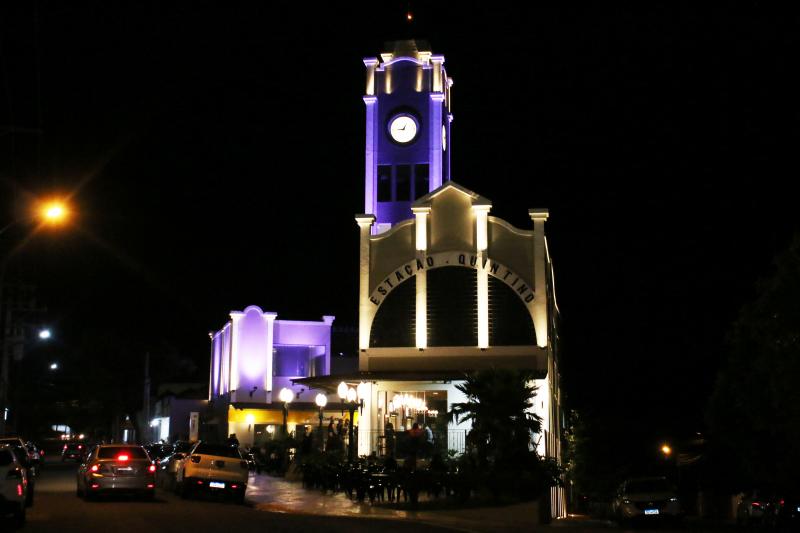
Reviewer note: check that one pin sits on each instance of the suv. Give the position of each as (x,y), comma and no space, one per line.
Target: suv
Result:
(648,498)
(13,484)
(73,450)
(218,468)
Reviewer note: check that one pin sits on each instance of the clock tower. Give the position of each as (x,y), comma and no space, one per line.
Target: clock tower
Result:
(408,130)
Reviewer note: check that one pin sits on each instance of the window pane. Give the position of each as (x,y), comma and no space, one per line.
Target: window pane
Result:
(218,450)
(384,183)
(420,181)
(403,183)
(114,451)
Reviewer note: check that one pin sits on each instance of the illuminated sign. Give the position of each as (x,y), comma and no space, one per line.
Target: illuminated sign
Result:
(456,259)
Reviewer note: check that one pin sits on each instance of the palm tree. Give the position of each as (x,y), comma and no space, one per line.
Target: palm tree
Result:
(499,403)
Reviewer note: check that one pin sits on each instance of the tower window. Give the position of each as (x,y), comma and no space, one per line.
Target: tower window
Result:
(403,183)
(384,183)
(421,183)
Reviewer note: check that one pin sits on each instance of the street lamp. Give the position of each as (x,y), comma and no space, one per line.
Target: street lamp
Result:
(286,396)
(666,450)
(54,212)
(353,397)
(45,334)
(322,401)
(47,213)
(53,366)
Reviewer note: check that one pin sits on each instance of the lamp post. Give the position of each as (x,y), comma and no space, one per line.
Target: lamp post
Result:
(321,401)
(46,213)
(353,397)
(286,396)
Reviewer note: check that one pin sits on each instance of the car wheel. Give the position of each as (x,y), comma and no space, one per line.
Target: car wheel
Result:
(19,514)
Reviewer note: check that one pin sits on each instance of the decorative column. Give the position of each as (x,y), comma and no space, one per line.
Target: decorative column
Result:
(365,313)
(370,155)
(481,246)
(421,320)
(539,216)
(236,317)
(435,140)
(270,326)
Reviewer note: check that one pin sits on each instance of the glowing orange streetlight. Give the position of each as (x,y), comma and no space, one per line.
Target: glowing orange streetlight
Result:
(666,450)
(54,212)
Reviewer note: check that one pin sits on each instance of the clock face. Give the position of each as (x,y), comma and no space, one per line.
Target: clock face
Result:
(403,128)
(444,138)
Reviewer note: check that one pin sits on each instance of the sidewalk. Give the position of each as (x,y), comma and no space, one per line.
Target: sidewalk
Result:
(277,495)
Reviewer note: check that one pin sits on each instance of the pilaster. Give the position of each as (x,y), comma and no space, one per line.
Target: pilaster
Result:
(365,223)
(539,216)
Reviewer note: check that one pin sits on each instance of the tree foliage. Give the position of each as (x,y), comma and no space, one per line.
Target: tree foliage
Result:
(754,413)
(498,406)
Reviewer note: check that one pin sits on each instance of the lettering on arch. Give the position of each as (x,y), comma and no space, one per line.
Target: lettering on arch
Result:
(456,259)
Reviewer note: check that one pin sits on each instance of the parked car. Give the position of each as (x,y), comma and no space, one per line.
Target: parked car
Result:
(216,468)
(755,507)
(168,466)
(650,498)
(116,468)
(158,450)
(13,485)
(787,513)
(25,460)
(35,454)
(74,451)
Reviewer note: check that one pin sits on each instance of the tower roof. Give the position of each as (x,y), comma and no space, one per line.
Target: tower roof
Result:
(406,47)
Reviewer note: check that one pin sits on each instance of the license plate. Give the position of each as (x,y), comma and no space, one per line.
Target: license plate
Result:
(651,511)
(216,485)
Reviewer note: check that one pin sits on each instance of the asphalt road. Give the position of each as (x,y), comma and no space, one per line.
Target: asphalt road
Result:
(57,508)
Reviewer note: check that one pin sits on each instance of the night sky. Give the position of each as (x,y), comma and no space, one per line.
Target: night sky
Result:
(214,152)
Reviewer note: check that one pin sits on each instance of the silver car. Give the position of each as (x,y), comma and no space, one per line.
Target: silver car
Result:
(650,498)
(117,468)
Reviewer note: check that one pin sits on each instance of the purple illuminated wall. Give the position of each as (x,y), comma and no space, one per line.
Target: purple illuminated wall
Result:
(252,350)
(242,353)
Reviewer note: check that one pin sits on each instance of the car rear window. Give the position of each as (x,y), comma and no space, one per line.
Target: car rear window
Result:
(6,458)
(110,453)
(217,449)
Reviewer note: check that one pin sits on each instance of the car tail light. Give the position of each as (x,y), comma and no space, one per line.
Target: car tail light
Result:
(95,485)
(41,453)
(122,457)
(234,486)
(151,468)
(150,486)
(244,464)
(19,489)
(195,458)
(94,468)
(65,447)
(80,446)
(199,482)
(756,504)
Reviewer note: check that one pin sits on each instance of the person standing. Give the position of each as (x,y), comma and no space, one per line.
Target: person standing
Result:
(428,446)
(388,434)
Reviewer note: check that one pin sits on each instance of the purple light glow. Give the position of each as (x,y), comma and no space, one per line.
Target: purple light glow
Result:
(247,343)
(252,349)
